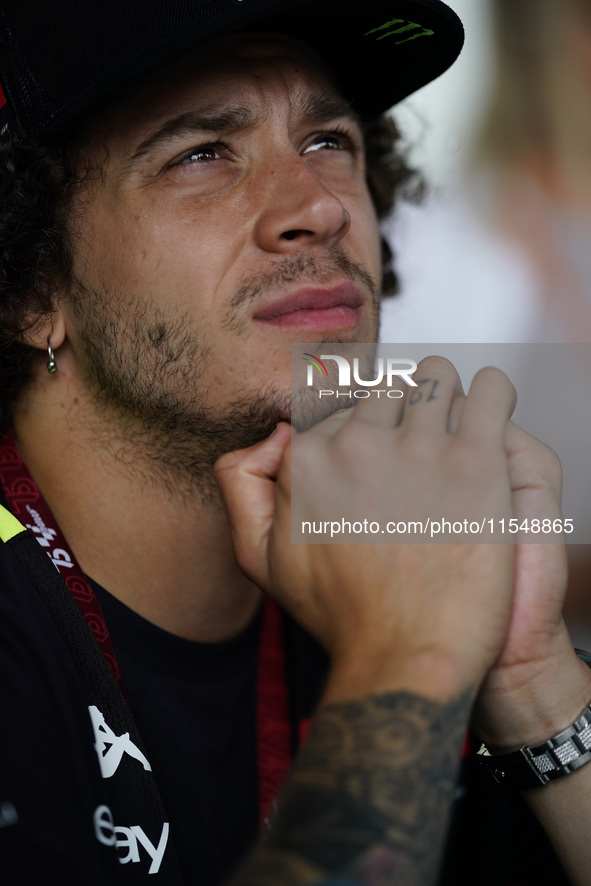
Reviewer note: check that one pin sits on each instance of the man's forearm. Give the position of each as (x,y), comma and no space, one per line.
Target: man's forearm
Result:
(547,702)
(369,800)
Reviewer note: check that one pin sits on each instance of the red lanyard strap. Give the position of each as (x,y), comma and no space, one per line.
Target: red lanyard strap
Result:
(27,504)
(273,722)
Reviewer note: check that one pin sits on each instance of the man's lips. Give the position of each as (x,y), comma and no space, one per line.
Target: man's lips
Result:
(316,308)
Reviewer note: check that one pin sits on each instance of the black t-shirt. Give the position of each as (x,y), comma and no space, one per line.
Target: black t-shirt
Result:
(204,760)
(194,705)
(195,708)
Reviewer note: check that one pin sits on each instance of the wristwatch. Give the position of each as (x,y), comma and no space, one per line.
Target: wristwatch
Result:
(531,767)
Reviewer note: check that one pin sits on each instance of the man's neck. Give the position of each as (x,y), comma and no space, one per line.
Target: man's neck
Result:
(167,558)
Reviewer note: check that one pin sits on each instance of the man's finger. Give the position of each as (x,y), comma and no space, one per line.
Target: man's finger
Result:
(455,413)
(428,405)
(328,427)
(490,404)
(535,474)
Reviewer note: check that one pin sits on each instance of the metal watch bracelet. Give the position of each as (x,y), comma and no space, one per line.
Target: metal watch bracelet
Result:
(531,767)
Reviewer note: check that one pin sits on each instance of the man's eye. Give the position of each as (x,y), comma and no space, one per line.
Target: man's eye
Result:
(201,155)
(329,141)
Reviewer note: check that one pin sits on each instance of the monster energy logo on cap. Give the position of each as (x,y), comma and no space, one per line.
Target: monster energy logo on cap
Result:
(406,30)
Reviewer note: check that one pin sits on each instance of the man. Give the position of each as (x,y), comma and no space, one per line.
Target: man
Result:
(213,206)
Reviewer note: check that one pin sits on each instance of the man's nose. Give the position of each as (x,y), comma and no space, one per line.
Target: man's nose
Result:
(299,210)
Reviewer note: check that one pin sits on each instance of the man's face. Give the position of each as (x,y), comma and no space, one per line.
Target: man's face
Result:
(232,218)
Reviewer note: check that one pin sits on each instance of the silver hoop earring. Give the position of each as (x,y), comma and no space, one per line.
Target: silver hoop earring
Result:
(51,364)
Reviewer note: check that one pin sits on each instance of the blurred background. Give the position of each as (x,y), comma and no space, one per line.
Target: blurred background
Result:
(442,119)
(499,250)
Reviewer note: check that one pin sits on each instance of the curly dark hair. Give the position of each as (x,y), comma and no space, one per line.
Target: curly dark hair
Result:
(39,182)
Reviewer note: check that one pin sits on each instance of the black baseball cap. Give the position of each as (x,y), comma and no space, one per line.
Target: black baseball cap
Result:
(58,58)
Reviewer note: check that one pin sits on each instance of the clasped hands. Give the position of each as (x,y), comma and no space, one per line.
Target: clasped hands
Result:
(435,618)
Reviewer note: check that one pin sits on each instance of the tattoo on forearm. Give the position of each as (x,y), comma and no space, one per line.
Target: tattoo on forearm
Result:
(369,800)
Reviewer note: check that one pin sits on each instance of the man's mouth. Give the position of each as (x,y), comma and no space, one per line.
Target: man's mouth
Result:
(316,307)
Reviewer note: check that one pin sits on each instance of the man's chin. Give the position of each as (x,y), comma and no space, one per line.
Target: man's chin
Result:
(247,423)
(244,426)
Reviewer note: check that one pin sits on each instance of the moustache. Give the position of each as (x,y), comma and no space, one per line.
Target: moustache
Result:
(302,267)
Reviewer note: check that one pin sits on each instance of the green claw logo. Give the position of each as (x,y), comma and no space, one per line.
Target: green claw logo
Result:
(411,29)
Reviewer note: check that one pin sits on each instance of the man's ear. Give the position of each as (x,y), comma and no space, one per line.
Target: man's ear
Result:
(50,327)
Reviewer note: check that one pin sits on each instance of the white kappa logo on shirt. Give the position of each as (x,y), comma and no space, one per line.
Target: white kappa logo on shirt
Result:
(110,747)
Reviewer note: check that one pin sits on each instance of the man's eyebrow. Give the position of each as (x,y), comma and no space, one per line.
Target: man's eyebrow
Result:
(320,107)
(317,107)
(191,123)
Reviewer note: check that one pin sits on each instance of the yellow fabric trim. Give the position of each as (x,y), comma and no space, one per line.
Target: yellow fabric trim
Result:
(9,525)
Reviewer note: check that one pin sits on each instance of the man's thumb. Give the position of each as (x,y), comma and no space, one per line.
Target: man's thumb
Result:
(247,482)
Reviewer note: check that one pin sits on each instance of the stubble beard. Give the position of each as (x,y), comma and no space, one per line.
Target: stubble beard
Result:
(148,378)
